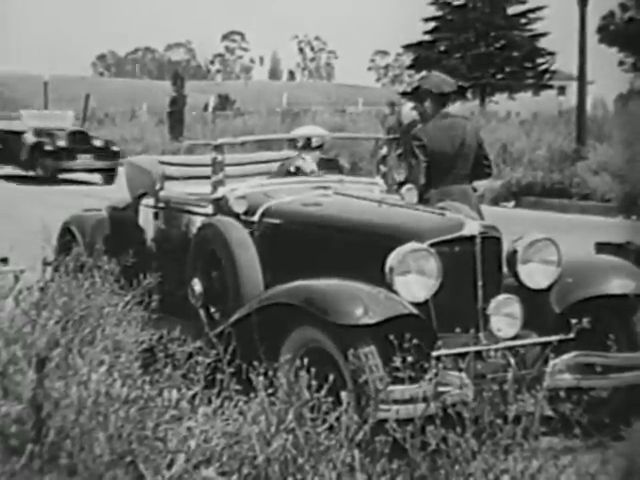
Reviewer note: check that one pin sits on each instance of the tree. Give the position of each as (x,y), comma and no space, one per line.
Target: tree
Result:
(108,64)
(316,61)
(145,62)
(182,56)
(492,44)
(619,29)
(275,67)
(233,61)
(149,62)
(391,71)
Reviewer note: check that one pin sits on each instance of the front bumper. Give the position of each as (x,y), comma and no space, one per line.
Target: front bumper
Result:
(414,400)
(568,370)
(406,402)
(565,371)
(81,165)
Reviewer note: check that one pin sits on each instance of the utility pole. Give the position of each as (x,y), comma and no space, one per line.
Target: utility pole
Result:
(581,110)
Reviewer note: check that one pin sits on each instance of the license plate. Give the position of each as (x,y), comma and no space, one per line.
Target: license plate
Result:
(84,157)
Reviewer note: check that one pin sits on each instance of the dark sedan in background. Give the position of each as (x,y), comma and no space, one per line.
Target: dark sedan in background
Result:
(47,142)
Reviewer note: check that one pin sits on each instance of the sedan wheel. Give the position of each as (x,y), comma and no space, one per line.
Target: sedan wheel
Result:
(42,168)
(109,178)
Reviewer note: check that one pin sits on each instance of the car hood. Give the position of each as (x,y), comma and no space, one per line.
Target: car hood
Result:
(363,214)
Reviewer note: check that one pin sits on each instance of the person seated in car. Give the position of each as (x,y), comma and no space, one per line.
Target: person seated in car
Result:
(309,146)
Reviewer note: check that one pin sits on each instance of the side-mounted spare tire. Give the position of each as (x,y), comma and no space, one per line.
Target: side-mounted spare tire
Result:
(226,264)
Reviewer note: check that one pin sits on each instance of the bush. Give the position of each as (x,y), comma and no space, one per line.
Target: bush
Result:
(91,389)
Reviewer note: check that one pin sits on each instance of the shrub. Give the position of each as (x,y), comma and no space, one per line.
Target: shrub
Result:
(92,389)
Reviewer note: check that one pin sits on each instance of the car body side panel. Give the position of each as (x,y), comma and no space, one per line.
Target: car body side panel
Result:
(595,276)
(341,301)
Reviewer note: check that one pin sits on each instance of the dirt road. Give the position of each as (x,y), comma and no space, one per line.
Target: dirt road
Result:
(31,212)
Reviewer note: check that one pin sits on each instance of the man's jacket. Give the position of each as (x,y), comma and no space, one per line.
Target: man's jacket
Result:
(448,150)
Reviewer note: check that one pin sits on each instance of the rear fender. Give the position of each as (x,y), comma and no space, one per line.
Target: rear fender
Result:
(88,230)
(594,277)
(340,301)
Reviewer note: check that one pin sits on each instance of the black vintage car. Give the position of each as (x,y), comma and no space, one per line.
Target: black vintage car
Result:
(318,266)
(47,143)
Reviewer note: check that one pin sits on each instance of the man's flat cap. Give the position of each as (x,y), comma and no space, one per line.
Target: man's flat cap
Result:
(433,82)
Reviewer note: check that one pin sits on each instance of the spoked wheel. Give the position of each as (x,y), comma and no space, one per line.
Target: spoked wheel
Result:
(216,288)
(612,330)
(224,270)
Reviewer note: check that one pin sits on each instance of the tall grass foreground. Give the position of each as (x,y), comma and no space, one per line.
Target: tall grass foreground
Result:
(90,389)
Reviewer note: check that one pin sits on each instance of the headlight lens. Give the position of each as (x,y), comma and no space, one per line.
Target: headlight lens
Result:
(61,143)
(538,261)
(98,142)
(505,316)
(414,271)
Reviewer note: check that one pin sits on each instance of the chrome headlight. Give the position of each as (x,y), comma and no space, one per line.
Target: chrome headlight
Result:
(536,261)
(98,142)
(505,316)
(61,143)
(414,271)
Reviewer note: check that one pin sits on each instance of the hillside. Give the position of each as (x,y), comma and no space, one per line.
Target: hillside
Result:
(66,92)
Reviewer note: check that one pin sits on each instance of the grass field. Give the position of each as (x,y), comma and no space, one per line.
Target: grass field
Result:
(67,92)
(533,156)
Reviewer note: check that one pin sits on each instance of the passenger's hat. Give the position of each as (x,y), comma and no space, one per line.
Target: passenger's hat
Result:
(433,82)
(310,137)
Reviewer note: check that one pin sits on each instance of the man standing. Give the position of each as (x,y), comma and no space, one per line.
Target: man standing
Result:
(177,104)
(446,148)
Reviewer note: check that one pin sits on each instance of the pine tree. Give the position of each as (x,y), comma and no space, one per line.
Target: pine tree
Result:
(492,44)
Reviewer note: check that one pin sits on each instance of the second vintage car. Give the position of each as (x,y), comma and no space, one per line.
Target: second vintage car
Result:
(317,266)
(48,143)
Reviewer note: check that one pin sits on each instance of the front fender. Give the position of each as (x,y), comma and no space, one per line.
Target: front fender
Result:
(340,301)
(595,276)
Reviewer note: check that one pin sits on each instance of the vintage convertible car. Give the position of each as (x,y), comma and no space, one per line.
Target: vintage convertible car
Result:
(47,142)
(319,266)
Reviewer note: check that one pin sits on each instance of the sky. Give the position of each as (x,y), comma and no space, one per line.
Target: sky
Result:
(63,36)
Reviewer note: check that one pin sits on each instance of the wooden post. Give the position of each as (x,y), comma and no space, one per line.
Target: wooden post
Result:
(581,107)
(285,99)
(360,104)
(45,92)
(85,108)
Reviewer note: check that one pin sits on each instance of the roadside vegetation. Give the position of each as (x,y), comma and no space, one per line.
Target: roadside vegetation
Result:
(89,388)
(532,156)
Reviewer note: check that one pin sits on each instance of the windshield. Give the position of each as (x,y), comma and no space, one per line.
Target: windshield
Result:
(52,134)
(358,156)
